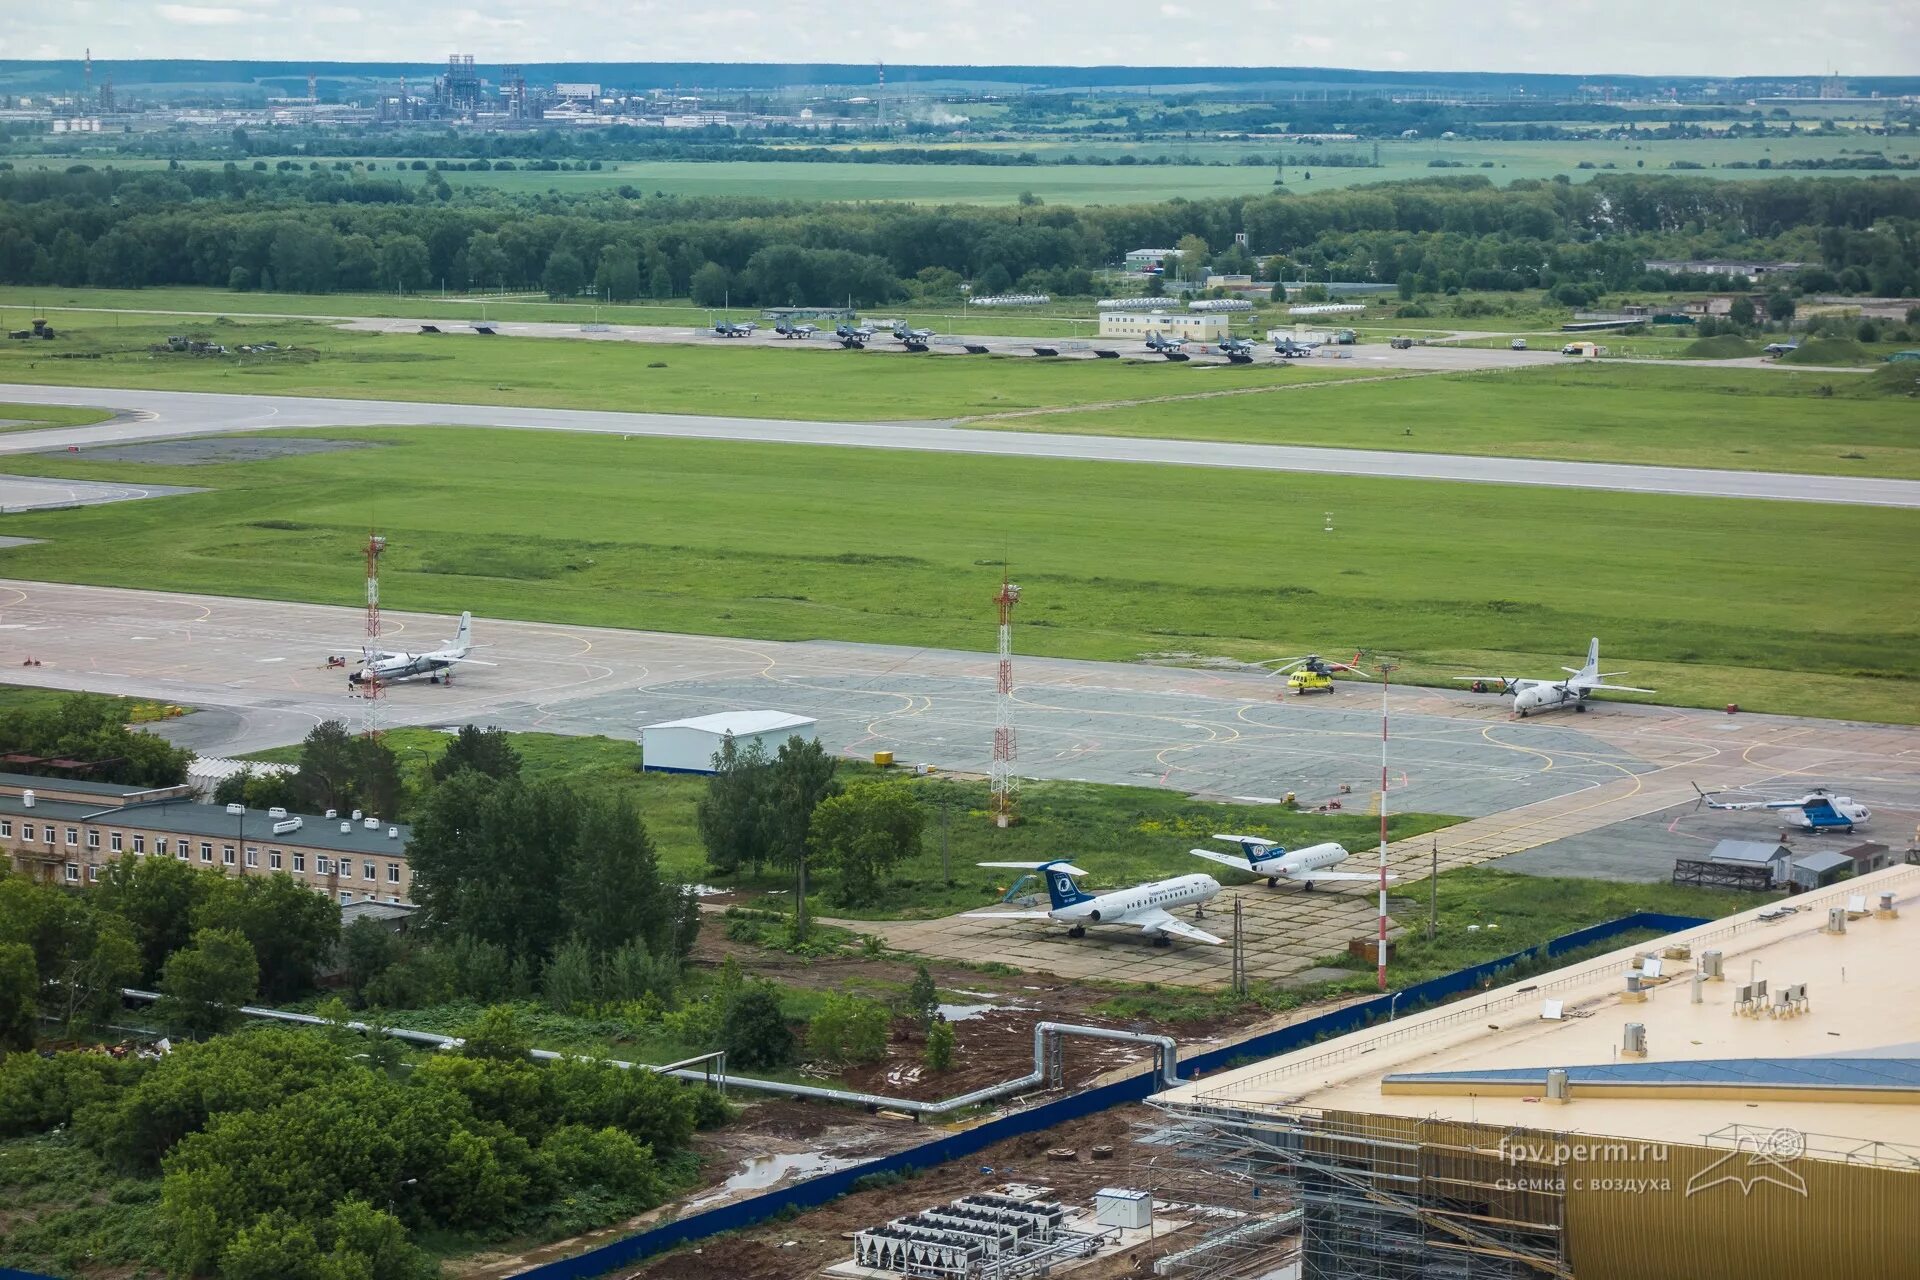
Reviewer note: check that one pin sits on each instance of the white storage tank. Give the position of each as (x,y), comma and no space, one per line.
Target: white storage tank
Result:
(689,746)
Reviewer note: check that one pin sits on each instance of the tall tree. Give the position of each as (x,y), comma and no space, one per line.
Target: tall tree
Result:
(19,993)
(157,898)
(205,984)
(801,777)
(865,832)
(614,881)
(293,930)
(490,859)
(564,275)
(732,815)
(487,751)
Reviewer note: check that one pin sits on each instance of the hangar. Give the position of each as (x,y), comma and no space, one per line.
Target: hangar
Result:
(689,746)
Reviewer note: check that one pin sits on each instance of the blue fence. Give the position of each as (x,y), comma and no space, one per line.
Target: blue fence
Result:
(955,1146)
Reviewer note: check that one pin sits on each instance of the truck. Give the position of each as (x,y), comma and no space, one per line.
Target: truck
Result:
(1587,350)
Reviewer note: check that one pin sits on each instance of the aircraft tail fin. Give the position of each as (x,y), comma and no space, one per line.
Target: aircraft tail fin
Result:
(463,638)
(1062,889)
(1593,658)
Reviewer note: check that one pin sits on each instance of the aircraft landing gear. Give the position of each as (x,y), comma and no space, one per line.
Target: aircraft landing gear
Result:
(1162,940)
(1273,882)
(1309,886)
(1078,931)
(1579,706)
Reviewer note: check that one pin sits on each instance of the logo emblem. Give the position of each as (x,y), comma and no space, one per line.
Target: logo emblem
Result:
(1766,1158)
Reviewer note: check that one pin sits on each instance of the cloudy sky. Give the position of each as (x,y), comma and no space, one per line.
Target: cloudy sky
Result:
(1649,37)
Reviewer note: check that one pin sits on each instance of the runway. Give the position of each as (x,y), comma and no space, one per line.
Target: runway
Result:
(161,415)
(256,672)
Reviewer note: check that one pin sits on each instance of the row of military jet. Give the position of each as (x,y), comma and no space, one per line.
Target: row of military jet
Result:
(855,337)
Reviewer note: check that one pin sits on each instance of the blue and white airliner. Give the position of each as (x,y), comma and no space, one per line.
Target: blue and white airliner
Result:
(1148,907)
(1260,856)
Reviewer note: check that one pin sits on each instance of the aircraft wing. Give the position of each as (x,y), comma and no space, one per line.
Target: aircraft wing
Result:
(1374,876)
(472,661)
(1158,921)
(1235,861)
(1006,915)
(1508,684)
(1614,688)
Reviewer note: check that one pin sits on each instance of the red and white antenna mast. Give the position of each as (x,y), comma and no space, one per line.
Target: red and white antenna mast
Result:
(370,685)
(1006,787)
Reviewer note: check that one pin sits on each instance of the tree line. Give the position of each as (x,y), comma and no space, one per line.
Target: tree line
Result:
(331,231)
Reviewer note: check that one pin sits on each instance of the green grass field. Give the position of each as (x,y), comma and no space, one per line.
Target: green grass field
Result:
(1702,599)
(1130,833)
(1193,174)
(1743,419)
(819,381)
(38,417)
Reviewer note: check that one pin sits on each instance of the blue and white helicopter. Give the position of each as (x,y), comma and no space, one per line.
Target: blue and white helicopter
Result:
(1817,810)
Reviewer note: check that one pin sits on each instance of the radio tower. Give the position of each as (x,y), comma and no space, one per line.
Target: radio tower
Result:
(370,687)
(1006,787)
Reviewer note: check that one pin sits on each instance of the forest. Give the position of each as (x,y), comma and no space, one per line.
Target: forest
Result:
(336,228)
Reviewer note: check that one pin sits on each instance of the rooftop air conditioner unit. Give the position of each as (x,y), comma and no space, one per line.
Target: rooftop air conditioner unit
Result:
(333,813)
(236,809)
(345,826)
(356,815)
(285,825)
(373,824)
(1556,1084)
(393,833)
(276,812)
(26,799)
(1836,919)
(1713,965)
(1633,1044)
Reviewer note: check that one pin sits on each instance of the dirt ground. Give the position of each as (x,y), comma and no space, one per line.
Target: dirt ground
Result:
(992,1045)
(799,1247)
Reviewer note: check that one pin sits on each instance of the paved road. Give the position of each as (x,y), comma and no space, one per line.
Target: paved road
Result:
(157,415)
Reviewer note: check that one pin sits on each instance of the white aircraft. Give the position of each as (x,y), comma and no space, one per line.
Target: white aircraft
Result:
(385,668)
(1550,695)
(1818,810)
(1262,857)
(1147,906)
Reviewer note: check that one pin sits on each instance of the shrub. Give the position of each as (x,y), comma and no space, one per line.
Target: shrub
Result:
(606,1157)
(849,1029)
(755,1031)
(939,1055)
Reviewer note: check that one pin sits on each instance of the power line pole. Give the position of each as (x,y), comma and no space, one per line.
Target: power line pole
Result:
(1433,893)
(1006,787)
(1239,953)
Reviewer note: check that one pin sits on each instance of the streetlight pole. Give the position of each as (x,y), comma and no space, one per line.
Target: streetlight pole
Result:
(1386,669)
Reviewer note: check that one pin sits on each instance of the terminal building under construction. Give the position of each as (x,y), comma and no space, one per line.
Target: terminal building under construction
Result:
(1738,1100)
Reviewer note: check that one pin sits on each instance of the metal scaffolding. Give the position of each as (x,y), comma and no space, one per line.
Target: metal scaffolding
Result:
(1388,1197)
(1248,1223)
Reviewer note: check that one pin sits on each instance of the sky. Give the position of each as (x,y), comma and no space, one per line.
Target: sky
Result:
(1588,37)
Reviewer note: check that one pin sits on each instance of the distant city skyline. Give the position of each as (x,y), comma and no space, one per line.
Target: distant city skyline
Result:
(1768,38)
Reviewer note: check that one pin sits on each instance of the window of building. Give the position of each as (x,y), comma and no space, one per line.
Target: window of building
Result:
(273,859)
(253,856)
(323,865)
(206,851)
(73,872)
(369,871)
(140,843)
(226,854)
(93,872)
(26,832)
(113,841)
(6,828)
(346,896)
(93,839)
(73,836)
(393,873)
(299,862)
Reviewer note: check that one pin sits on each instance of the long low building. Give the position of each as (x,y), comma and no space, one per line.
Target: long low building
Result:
(64,830)
(1186,326)
(1737,1100)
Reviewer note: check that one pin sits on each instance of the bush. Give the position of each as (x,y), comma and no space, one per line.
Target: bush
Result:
(38,1093)
(849,1029)
(584,1157)
(939,1055)
(755,1032)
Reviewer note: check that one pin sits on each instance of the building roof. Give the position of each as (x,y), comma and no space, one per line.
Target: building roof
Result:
(188,818)
(1843,1067)
(738,723)
(79,786)
(1754,851)
(1824,861)
(368,909)
(217,768)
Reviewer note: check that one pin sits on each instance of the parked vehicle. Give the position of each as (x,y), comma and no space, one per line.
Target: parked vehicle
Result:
(1518,344)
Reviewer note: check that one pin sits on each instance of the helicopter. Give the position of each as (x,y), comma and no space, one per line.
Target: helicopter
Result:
(1311,673)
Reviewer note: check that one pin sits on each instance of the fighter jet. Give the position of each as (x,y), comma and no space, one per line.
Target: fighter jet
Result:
(1171,348)
(911,339)
(383,667)
(1237,350)
(728,329)
(801,331)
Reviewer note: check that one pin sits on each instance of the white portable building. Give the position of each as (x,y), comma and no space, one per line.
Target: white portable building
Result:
(689,746)
(1122,1207)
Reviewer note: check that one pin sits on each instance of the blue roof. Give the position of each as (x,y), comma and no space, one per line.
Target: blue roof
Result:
(1812,1073)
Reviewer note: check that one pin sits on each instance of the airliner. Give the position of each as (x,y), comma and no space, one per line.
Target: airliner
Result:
(1148,907)
(1260,856)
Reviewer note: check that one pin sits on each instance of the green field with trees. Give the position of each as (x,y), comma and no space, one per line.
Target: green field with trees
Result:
(1118,560)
